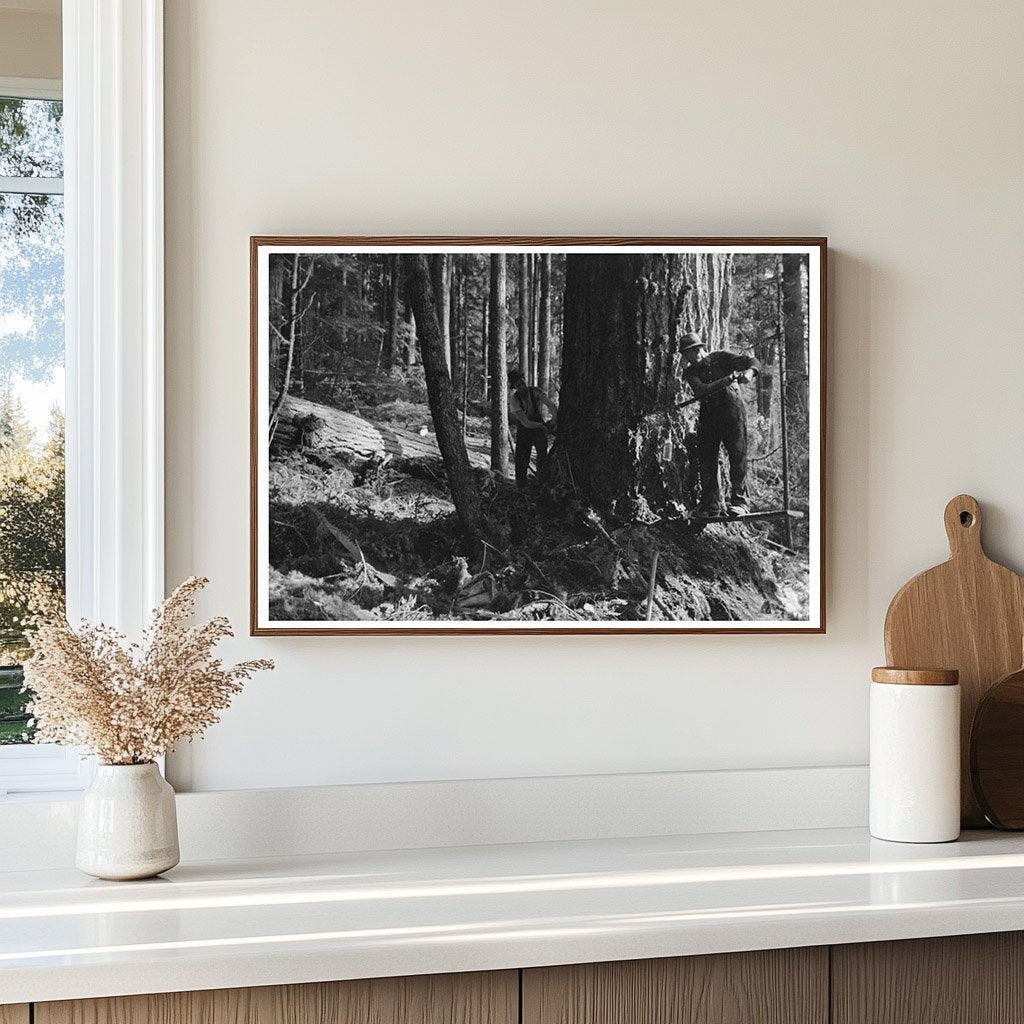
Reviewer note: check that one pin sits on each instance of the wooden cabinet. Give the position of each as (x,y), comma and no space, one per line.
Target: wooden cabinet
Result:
(963,979)
(970,979)
(779,986)
(491,998)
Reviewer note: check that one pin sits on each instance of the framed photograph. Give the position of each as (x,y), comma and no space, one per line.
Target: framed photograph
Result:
(537,435)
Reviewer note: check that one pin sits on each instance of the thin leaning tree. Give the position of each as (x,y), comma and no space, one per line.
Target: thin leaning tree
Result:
(288,333)
(441,394)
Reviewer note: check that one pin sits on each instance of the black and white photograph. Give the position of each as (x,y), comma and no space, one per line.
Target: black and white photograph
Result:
(537,435)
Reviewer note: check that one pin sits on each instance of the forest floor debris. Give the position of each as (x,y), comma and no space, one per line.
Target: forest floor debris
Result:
(377,539)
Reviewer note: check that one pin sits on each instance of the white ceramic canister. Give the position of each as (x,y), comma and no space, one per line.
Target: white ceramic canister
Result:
(915,755)
(127,825)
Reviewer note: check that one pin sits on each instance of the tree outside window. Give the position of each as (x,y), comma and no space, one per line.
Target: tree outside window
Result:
(31,386)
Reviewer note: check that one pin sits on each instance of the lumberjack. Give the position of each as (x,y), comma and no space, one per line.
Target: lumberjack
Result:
(526,408)
(714,379)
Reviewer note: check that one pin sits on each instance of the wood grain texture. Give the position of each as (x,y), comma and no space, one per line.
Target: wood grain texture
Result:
(915,676)
(962,979)
(967,614)
(778,986)
(331,431)
(14,1014)
(483,998)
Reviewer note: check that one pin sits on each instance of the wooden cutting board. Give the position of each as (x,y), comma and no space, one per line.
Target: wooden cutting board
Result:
(967,614)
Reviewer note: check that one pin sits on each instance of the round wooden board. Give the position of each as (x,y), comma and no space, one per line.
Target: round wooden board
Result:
(997,752)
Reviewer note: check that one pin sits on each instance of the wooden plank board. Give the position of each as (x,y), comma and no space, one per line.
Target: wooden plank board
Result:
(778,986)
(14,1014)
(967,614)
(961,979)
(480,998)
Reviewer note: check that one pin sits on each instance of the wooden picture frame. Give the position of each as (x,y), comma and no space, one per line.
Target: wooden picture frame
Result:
(657,252)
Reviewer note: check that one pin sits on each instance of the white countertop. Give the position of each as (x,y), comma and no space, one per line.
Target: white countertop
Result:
(357,915)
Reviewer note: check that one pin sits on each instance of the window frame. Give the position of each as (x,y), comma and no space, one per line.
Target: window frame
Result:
(112,90)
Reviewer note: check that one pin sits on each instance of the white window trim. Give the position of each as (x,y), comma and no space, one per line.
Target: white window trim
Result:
(114,322)
(32,88)
(31,186)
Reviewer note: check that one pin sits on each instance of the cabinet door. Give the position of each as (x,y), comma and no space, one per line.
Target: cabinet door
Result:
(14,1014)
(962,979)
(779,986)
(490,998)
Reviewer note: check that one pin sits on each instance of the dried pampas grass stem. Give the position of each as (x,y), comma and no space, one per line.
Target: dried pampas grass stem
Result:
(129,703)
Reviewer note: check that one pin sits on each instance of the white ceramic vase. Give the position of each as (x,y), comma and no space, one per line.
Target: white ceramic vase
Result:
(127,824)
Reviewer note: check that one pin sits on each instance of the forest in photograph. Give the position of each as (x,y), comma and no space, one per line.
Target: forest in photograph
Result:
(528,437)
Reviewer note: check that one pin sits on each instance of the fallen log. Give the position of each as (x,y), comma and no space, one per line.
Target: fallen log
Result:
(308,424)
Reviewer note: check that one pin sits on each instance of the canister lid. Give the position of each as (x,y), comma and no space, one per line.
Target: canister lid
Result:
(916,676)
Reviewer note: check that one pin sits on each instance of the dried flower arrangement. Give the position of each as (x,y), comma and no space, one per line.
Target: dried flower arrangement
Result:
(130,703)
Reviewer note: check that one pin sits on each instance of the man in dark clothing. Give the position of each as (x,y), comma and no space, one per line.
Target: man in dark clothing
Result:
(714,378)
(526,407)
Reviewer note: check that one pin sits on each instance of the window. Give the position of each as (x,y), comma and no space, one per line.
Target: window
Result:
(111,202)
(32,530)
(31,383)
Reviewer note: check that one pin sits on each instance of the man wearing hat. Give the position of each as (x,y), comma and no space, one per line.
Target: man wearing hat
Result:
(526,407)
(714,378)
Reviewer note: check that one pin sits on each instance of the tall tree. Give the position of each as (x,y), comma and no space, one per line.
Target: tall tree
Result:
(441,395)
(458,334)
(440,266)
(484,337)
(794,325)
(619,426)
(342,304)
(498,367)
(31,524)
(394,299)
(535,320)
(544,334)
(289,336)
(524,313)
(410,335)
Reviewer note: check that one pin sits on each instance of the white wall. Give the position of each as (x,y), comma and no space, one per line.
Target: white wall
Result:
(895,129)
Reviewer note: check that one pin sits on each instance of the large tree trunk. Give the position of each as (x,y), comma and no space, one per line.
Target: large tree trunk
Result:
(497,367)
(705,308)
(544,338)
(442,396)
(794,324)
(620,428)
